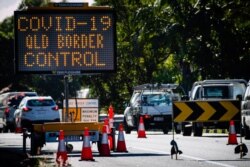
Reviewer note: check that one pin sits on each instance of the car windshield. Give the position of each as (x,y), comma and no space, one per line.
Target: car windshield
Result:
(156,99)
(219,92)
(14,101)
(40,102)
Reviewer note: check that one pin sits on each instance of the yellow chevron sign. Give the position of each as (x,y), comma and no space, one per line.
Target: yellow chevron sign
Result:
(206,111)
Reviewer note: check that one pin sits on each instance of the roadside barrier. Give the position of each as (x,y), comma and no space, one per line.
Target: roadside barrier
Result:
(141,129)
(121,145)
(86,153)
(61,156)
(104,148)
(232,137)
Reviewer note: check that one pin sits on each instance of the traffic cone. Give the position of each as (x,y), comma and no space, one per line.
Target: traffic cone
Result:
(111,116)
(121,145)
(86,148)
(141,129)
(232,138)
(106,123)
(18,126)
(61,156)
(108,130)
(104,148)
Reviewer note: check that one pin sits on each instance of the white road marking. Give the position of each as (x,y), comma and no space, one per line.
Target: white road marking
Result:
(188,156)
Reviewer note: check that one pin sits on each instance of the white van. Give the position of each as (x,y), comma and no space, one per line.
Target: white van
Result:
(215,89)
(153,103)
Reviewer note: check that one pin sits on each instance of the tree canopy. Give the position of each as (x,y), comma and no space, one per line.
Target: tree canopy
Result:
(158,41)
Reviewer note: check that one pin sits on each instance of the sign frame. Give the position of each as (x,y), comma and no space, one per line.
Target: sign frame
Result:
(62,70)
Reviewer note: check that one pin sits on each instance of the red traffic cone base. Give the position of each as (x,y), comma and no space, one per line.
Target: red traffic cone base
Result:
(86,154)
(232,138)
(141,129)
(104,148)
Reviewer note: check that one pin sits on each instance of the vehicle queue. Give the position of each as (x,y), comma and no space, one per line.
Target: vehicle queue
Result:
(12,105)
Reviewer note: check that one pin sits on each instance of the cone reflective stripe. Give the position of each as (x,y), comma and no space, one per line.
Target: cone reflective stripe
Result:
(111,122)
(121,145)
(232,137)
(141,129)
(61,156)
(104,148)
(86,149)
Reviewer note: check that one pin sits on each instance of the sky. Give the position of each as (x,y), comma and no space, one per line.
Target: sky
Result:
(7,7)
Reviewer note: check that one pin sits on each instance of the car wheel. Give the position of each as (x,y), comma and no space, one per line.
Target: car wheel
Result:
(247,133)
(126,128)
(198,129)
(165,131)
(187,130)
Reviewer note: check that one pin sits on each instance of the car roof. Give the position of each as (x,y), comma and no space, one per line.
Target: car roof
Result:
(37,97)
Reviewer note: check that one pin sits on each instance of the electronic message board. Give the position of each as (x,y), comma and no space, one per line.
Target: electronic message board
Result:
(65,41)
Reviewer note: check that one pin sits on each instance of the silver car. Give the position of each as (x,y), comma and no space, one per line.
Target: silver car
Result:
(38,109)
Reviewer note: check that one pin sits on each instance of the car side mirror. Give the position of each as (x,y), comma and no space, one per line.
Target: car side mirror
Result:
(248,97)
(184,97)
(239,97)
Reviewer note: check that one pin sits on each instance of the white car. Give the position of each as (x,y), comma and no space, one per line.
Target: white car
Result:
(37,109)
(245,112)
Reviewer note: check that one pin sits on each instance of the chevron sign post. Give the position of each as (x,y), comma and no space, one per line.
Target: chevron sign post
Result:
(206,111)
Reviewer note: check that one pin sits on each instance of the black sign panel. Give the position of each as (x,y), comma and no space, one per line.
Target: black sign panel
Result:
(65,41)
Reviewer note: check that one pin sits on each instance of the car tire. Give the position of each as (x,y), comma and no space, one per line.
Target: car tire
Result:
(247,133)
(198,131)
(126,128)
(165,131)
(187,131)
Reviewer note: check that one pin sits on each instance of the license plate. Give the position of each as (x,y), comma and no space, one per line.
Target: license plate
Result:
(159,119)
(73,138)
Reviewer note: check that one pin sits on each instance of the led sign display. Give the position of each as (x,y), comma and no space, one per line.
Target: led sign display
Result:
(65,41)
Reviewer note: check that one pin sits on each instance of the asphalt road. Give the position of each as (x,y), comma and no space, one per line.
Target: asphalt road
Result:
(209,150)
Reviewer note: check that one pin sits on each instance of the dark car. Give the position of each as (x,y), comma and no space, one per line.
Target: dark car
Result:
(10,103)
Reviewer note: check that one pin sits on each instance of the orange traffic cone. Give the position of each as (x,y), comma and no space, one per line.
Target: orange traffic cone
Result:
(121,145)
(106,123)
(61,156)
(141,129)
(104,148)
(18,126)
(108,130)
(111,116)
(86,148)
(232,138)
